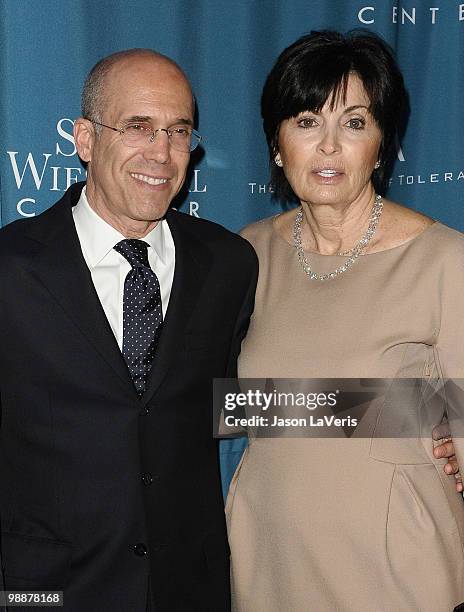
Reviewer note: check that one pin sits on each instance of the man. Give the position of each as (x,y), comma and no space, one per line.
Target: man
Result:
(115,315)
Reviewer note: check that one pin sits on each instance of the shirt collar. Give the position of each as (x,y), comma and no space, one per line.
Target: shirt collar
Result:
(97,237)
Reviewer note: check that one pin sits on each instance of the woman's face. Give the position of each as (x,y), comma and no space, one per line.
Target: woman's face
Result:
(328,157)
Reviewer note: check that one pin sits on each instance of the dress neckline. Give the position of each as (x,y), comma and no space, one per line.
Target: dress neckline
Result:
(394,248)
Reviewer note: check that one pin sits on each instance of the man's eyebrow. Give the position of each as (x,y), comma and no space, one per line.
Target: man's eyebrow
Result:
(184,121)
(147,119)
(138,119)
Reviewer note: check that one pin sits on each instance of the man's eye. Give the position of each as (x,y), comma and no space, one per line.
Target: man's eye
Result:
(180,132)
(137,127)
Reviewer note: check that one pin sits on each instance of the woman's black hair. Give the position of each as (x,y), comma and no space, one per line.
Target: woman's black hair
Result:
(315,69)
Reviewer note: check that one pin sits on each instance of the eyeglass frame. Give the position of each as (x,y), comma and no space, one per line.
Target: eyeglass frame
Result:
(122,131)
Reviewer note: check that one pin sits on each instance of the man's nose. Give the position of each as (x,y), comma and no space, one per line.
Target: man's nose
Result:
(158,147)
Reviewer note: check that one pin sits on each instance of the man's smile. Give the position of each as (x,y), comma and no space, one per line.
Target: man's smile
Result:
(151,180)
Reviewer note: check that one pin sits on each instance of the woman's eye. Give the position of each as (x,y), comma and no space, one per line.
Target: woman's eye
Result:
(356,124)
(307,122)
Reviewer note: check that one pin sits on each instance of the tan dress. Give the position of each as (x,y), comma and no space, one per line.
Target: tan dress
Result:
(360,524)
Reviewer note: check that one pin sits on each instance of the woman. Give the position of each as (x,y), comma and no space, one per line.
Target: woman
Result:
(351,285)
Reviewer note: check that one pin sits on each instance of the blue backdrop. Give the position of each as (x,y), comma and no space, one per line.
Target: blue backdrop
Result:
(226,48)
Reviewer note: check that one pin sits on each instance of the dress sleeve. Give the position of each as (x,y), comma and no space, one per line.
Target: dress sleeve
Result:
(450,339)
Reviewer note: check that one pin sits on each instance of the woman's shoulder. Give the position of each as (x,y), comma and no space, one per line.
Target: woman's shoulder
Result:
(398,225)
(402,225)
(264,229)
(259,230)
(447,239)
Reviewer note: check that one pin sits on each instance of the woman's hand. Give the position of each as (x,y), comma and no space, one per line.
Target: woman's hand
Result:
(445,448)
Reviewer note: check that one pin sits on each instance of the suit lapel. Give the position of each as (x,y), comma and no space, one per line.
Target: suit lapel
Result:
(57,262)
(193,261)
(59,265)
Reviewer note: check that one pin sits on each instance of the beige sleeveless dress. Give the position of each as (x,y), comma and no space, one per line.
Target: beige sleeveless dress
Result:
(359,524)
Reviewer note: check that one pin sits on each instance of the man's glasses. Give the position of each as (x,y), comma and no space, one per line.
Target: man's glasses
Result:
(181,137)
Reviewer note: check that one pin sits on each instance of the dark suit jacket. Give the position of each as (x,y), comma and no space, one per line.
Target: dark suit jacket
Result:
(92,477)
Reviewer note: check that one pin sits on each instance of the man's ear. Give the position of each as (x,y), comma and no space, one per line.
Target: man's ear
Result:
(84,138)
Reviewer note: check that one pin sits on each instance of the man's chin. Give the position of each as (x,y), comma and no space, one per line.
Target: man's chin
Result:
(150,212)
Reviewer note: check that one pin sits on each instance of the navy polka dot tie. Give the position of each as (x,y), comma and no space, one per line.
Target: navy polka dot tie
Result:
(142,313)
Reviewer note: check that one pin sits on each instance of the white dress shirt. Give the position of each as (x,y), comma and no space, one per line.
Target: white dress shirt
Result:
(109,268)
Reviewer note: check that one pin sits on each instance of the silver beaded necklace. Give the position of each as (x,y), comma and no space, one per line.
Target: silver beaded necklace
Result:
(353,253)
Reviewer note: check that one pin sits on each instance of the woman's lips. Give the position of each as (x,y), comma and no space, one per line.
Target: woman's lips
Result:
(328,175)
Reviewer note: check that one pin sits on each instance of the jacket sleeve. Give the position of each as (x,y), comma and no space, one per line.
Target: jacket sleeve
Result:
(240,329)
(2,579)
(243,320)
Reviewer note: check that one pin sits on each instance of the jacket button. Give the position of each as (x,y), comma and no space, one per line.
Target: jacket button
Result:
(145,411)
(147,479)
(140,550)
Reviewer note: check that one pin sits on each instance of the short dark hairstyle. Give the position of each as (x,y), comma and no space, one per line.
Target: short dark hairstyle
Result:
(317,67)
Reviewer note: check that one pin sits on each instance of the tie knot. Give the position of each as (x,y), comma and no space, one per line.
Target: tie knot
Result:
(135,251)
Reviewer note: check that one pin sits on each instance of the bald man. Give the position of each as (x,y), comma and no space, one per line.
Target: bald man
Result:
(110,487)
